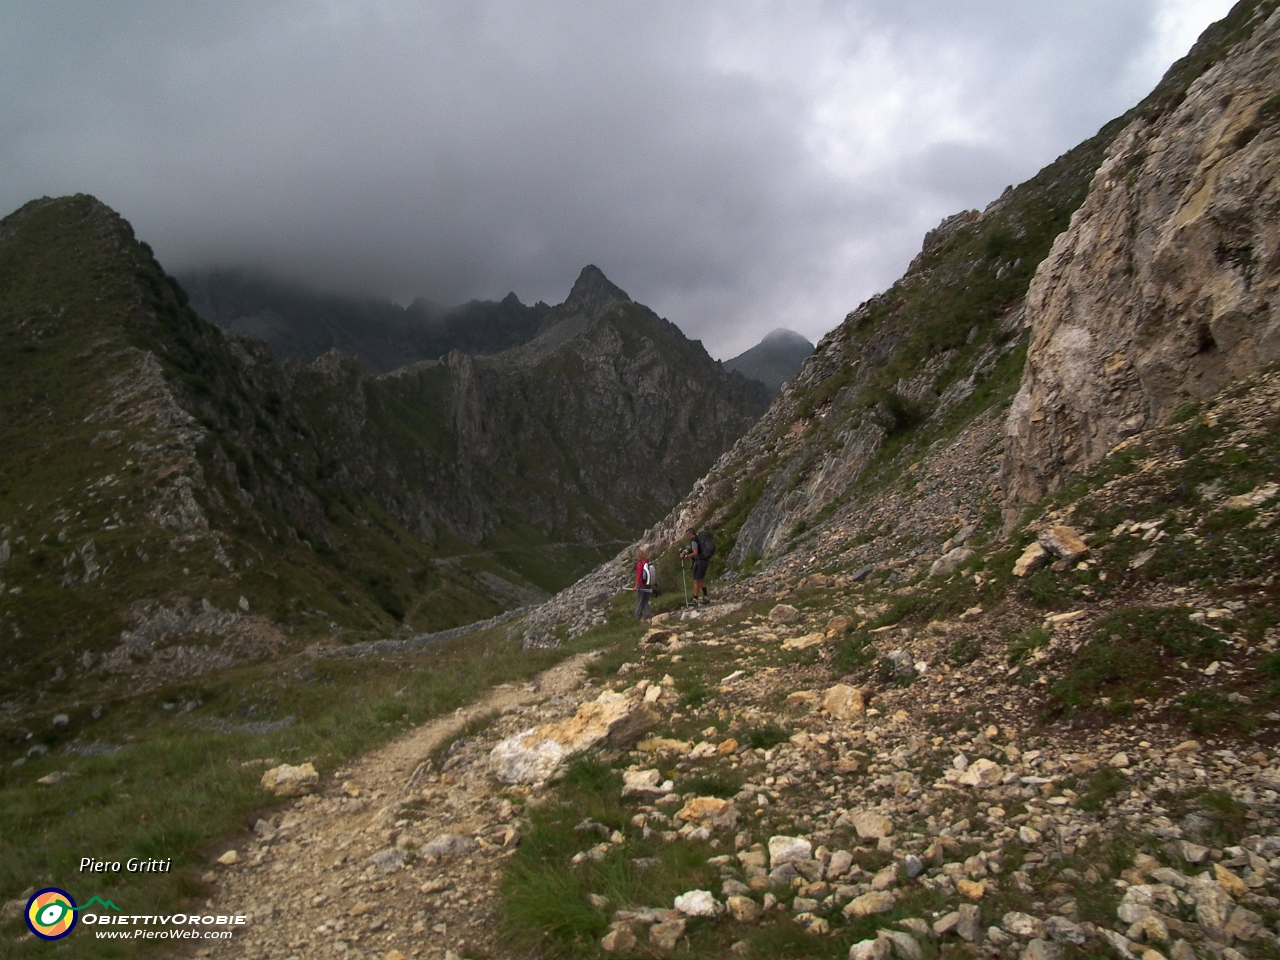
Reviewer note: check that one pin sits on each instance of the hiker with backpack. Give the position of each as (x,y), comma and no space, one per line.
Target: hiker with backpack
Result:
(701,549)
(646,581)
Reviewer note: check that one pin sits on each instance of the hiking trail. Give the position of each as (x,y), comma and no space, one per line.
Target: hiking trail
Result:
(348,871)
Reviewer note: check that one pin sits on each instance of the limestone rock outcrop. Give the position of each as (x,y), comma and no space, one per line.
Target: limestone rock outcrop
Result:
(537,754)
(291,781)
(1165,286)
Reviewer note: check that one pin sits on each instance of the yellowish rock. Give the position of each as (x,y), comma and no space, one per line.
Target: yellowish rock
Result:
(228,858)
(618,940)
(291,781)
(710,811)
(843,702)
(726,747)
(838,625)
(804,642)
(1229,881)
(1064,542)
(971,889)
(743,909)
(869,904)
(1254,498)
(613,719)
(1034,557)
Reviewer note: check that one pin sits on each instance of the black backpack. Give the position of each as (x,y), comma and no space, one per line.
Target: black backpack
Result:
(706,546)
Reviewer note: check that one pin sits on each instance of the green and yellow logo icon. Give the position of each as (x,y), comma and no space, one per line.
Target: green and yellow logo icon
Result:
(51,913)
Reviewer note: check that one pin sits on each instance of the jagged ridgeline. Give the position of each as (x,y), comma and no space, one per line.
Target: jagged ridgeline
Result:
(942,349)
(301,324)
(173,501)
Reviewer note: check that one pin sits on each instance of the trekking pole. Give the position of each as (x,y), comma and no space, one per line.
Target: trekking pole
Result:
(683,585)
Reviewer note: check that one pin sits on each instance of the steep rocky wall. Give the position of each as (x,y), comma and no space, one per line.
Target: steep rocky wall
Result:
(1165,286)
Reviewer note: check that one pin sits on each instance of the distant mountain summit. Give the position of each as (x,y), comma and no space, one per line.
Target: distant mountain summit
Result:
(593,291)
(774,360)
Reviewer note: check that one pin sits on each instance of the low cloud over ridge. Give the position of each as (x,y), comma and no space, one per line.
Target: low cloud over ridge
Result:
(737,167)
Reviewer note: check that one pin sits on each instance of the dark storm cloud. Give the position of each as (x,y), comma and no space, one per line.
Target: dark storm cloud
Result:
(736,166)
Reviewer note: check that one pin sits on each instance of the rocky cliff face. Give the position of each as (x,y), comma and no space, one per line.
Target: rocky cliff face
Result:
(1165,287)
(591,429)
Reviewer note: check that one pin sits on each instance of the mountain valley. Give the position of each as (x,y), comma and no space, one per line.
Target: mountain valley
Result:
(991,666)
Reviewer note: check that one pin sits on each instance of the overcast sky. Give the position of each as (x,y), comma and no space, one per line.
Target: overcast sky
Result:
(736,166)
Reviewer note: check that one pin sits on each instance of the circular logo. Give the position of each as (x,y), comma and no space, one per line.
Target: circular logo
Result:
(51,913)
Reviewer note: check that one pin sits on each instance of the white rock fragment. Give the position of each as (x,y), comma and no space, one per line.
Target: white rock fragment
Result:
(448,845)
(534,755)
(699,903)
(870,950)
(949,562)
(645,784)
(870,825)
(982,773)
(788,850)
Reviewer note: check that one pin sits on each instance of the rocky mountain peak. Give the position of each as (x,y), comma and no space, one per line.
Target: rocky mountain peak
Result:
(593,291)
(774,360)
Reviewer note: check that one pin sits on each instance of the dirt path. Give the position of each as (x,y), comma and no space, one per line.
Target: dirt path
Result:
(330,876)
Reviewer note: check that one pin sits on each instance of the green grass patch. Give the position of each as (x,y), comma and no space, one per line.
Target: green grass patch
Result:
(1022,645)
(853,653)
(764,736)
(1211,816)
(712,783)
(1129,654)
(1208,711)
(179,783)
(544,892)
(964,650)
(1103,784)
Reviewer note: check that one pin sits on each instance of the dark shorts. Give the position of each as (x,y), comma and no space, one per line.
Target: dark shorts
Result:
(700,569)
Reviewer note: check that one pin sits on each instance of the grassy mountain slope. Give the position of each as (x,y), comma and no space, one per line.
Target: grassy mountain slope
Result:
(195,541)
(938,353)
(178,503)
(1074,755)
(154,467)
